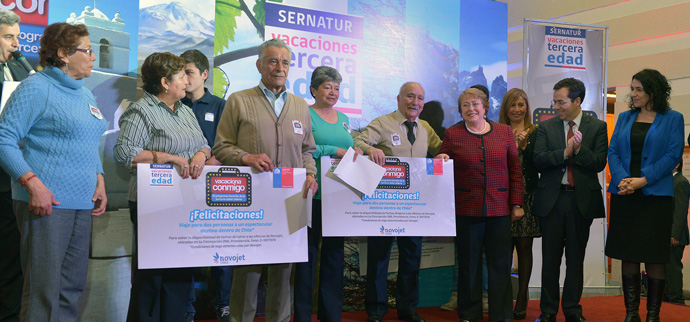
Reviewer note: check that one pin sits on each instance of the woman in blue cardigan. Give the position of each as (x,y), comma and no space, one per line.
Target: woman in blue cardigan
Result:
(646,145)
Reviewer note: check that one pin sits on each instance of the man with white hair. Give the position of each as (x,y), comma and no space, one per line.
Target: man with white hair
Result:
(402,134)
(263,127)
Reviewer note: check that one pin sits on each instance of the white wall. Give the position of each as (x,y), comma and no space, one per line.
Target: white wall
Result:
(642,34)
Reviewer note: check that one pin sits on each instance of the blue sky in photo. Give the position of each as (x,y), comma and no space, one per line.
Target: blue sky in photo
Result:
(439,17)
(60,10)
(483,37)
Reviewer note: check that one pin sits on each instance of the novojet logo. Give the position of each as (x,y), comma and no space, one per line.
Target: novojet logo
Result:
(391,231)
(228,259)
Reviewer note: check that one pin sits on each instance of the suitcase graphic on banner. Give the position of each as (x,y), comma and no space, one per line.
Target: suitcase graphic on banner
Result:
(228,188)
(397,175)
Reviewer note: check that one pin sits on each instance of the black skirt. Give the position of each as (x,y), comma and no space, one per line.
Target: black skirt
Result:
(640,228)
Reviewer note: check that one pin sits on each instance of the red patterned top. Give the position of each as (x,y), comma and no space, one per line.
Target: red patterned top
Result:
(488,177)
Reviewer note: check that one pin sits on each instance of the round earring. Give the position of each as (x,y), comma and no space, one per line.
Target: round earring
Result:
(166,90)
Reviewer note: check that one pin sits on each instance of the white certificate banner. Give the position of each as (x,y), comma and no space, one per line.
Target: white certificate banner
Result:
(416,197)
(227,216)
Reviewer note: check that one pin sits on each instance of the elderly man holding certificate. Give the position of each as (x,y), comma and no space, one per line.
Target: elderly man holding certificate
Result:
(401,134)
(265,127)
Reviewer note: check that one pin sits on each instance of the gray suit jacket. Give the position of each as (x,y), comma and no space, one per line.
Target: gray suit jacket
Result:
(549,161)
(680,209)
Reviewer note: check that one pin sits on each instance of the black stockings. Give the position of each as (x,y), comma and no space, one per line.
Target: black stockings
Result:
(523,245)
(656,271)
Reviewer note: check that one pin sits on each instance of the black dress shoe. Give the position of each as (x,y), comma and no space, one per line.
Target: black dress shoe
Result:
(412,318)
(546,317)
(374,318)
(519,315)
(576,318)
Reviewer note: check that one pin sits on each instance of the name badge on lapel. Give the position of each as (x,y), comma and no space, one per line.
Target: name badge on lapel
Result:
(95,112)
(395,138)
(297,127)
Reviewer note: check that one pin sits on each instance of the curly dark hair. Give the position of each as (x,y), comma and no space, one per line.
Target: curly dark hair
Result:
(157,66)
(657,87)
(59,35)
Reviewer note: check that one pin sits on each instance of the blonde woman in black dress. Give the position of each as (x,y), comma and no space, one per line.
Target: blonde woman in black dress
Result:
(515,111)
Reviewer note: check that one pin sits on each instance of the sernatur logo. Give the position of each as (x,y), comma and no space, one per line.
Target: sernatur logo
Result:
(33,12)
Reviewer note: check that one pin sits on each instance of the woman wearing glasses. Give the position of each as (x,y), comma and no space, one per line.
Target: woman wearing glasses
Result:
(488,181)
(57,175)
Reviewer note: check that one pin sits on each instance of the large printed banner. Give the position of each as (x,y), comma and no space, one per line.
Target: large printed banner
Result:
(320,38)
(556,53)
(228,216)
(415,197)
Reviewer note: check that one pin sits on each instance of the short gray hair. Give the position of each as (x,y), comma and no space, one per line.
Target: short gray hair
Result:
(8,18)
(404,86)
(324,74)
(275,42)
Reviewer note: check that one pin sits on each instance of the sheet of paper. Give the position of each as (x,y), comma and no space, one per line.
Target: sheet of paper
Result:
(299,211)
(361,174)
(7,88)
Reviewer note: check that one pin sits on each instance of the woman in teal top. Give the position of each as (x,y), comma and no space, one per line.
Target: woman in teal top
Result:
(331,132)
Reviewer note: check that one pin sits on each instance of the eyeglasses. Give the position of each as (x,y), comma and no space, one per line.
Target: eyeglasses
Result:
(559,103)
(87,51)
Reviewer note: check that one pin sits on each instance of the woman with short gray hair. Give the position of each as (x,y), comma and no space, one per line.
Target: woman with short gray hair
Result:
(331,132)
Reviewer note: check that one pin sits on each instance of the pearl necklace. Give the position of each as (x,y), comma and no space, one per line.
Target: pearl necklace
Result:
(480,132)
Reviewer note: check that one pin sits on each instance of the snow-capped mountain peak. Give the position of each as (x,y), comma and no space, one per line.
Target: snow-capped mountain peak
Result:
(174,18)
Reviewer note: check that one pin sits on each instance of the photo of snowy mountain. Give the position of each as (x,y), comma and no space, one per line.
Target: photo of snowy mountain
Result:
(174,27)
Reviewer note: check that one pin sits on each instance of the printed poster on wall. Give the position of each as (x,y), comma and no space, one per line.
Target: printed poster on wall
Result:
(320,38)
(556,53)
(415,197)
(227,216)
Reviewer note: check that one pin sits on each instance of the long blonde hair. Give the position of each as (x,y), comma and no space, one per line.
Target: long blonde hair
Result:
(508,100)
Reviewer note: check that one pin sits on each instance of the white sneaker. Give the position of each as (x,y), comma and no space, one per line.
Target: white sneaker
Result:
(452,303)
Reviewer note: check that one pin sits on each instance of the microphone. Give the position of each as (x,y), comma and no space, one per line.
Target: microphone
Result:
(22,60)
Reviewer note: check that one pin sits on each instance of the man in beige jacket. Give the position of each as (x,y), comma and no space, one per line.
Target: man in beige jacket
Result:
(398,134)
(265,127)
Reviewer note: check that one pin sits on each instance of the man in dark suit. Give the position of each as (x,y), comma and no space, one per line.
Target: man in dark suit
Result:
(569,152)
(10,269)
(679,236)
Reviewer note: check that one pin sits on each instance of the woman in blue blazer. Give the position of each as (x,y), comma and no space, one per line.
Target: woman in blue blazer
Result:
(646,145)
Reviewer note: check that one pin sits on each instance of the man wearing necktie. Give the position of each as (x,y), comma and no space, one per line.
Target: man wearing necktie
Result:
(569,152)
(402,134)
(10,269)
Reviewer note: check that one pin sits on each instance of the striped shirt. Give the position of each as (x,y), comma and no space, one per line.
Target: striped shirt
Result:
(149,124)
